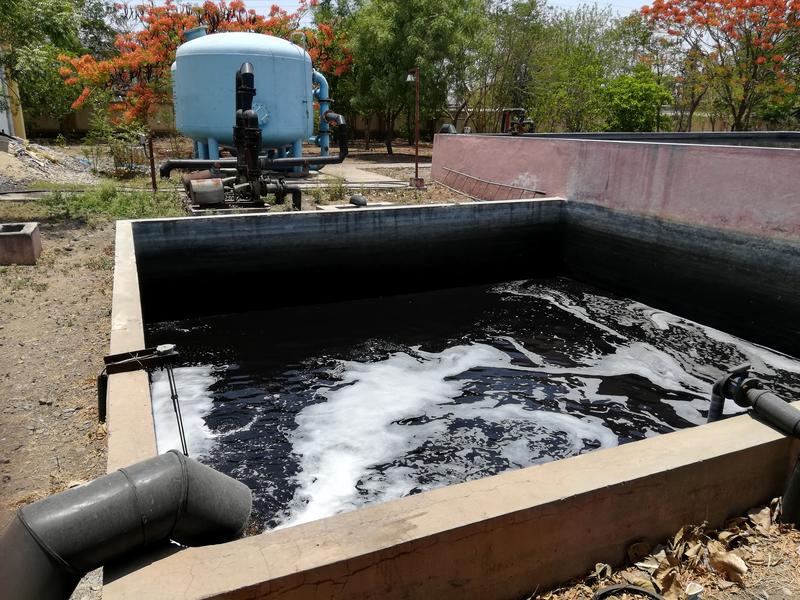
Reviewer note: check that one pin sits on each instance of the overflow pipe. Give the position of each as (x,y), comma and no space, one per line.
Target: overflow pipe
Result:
(52,543)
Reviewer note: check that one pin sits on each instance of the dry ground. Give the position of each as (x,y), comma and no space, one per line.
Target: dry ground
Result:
(54,326)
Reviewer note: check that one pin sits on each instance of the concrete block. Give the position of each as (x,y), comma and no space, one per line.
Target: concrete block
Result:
(20,243)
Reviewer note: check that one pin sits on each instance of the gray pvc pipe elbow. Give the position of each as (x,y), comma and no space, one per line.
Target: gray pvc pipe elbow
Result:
(51,543)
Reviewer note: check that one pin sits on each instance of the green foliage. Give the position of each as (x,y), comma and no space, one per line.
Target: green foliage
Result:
(634,101)
(121,141)
(35,33)
(553,63)
(108,202)
(42,89)
(24,24)
(390,37)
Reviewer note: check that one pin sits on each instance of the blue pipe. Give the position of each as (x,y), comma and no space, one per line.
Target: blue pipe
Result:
(322,95)
(297,152)
(202,150)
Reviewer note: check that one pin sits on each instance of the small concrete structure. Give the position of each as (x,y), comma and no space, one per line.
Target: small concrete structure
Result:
(20,243)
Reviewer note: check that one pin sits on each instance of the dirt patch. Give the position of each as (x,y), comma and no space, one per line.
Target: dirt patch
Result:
(54,324)
(27,162)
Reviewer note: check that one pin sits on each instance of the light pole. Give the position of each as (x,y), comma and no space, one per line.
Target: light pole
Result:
(416,181)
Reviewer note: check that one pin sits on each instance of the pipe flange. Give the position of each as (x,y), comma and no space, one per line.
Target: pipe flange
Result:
(740,393)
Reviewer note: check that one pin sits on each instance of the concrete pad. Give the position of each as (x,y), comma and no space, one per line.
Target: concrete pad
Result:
(20,243)
(352,174)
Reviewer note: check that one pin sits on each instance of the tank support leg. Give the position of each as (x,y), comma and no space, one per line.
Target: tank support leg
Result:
(297,152)
(213,149)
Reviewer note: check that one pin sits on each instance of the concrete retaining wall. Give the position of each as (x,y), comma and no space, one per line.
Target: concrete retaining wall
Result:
(213,265)
(743,189)
(500,537)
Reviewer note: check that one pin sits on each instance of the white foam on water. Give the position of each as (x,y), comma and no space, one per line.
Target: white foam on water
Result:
(193,385)
(760,357)
(557,299)
(341,440)
(636,358)
(361,439)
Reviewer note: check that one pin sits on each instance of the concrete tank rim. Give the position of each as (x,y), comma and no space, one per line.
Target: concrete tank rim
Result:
(242,42)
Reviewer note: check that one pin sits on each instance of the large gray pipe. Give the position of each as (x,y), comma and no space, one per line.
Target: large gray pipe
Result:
(51,543)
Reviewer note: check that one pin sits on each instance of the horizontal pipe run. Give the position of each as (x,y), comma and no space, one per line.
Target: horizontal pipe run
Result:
(267,163)
(775,411)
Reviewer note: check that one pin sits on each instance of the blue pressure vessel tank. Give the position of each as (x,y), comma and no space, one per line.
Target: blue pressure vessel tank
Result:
(204,90)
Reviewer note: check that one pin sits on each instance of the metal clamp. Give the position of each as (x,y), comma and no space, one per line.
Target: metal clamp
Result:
(148,359)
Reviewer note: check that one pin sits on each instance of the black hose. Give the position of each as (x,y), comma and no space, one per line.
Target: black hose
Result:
(725,387)
(297,196)
(625,588)
(790,503)
(774,410)
(717,402)
(51,543)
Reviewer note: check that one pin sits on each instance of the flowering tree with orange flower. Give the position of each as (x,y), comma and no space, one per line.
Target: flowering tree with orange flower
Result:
(747,46)
(138,77)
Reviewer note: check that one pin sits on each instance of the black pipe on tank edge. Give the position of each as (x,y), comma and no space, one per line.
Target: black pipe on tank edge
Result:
(770,409)
(52,543)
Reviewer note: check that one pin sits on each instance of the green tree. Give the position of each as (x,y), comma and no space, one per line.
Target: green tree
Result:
(634,101)
(389,37)
(34,34)
(573,61)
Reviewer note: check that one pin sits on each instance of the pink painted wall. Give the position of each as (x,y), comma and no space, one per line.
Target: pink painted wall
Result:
(751,190)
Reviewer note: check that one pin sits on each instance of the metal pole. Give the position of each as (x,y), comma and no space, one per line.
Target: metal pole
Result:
(416,135)
(152,163)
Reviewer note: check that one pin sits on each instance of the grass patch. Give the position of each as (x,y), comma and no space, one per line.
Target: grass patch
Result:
(108,202)
(22,283)
(334,192)
(100,263)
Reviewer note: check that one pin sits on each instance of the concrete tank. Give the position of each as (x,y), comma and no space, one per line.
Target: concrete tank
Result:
(204,89)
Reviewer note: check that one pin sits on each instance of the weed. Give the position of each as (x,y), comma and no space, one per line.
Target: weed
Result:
(108,202)
(21,283)
(100,263)
(337,191)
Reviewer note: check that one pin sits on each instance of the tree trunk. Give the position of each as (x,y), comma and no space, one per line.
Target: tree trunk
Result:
(389,134)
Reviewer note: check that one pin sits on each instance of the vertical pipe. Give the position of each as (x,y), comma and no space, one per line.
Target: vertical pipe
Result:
(322,94)
(416,134)
(195,149)
(152,163)
(213,149)
(202,150)
(297,152)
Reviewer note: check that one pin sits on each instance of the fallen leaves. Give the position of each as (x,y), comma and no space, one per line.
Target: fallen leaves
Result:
(728,564)
(694,562)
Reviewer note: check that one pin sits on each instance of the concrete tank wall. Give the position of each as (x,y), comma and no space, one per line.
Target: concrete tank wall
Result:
(743,189)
